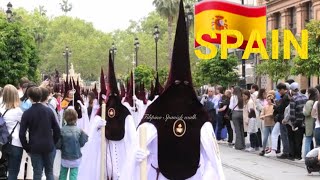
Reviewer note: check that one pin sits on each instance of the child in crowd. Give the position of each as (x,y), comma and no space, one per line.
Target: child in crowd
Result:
(71,140)
(312,160)
(252,130)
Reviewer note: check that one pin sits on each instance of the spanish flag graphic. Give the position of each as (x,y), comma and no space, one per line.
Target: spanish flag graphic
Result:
(214,15)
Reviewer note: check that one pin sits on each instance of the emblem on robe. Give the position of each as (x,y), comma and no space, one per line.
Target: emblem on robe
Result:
(179,128)
(111,113)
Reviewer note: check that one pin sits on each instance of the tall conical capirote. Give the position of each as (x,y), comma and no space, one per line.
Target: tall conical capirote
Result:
(180,62)
(179,100)
(103,90)
(112,81)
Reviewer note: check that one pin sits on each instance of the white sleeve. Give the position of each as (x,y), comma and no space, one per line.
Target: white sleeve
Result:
(314,112)
(131,170)
(211,154)
(231,105)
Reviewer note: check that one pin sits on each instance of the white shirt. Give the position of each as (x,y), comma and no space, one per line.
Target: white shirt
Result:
(12,117)
(315,115)
(234,103)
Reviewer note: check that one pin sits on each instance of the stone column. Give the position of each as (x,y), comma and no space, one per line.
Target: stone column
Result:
(270,22)
(316,9)
(300,17)
(284,19)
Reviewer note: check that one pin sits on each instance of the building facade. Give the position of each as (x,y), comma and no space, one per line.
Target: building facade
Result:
(293,15)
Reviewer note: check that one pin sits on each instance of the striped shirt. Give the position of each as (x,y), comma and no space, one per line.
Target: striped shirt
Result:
(297,103)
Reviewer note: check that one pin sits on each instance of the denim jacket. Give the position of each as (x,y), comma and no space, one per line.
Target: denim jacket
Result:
(71,140)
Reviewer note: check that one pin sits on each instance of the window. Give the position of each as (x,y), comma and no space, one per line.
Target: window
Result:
(309,11)
(293,20)
(277,21)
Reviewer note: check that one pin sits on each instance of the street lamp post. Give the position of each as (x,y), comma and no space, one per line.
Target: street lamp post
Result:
(156,38)
(136,47)
(113,51)
(189,16)
(243,63)
(9,12)
(67,54)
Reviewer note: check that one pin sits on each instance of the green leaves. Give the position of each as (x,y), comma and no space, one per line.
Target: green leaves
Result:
(18,54)
(310,66)
(216,71)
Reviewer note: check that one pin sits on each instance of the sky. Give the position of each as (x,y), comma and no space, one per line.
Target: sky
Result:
(106,15)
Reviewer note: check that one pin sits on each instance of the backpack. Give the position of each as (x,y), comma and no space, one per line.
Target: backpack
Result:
(5,144)
(4,133)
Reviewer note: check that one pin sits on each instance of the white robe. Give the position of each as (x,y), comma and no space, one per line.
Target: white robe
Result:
(117,151)
(83,123)
(135,115)
(210,162)
(95,109)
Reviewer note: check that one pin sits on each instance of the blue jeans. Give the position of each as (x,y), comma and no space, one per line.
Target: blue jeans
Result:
(285,138)
(317,136)
(14,161)
(267,130)
(40,161)
(219,126)
(307,145)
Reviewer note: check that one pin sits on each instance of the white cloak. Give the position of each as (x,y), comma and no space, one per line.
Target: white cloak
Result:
(117,152)
(210,162)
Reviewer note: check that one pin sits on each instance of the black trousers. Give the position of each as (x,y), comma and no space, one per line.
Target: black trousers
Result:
(254,140)
(227,123)
(259,138)
(295,142)
(279,144)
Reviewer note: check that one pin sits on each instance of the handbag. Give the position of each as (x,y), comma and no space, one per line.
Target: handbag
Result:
(228,115)
(6,148)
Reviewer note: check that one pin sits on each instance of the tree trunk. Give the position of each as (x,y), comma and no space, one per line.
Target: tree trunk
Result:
(170,24)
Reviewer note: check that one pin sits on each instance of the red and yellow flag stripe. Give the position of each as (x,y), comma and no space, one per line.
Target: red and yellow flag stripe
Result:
(218,15)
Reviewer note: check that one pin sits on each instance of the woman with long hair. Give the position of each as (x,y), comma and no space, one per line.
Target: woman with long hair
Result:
(249,120)
(12,113)
(309,120)
(236,107)
(260,103)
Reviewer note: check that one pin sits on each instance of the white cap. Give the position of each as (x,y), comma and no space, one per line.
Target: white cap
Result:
(294,86)
(288,85)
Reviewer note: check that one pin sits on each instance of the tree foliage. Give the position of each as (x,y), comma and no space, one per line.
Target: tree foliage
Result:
(310,66)
(90,47)
(276,69)
(216,71)
(18,53)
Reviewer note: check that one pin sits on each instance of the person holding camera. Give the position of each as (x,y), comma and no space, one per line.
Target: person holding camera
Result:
(209,101)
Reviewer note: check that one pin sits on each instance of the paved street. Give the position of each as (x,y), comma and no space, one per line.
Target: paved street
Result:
(239,165)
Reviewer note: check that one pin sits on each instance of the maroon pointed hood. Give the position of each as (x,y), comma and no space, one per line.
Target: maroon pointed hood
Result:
(129,94)
(181,132)
(122,90)
(95,91)
(112,81)
(151,95)
(103,90)
(78,85)
(143,94)
(77,97)
(180,63)
(116,112)
(66,88)
(157,88)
